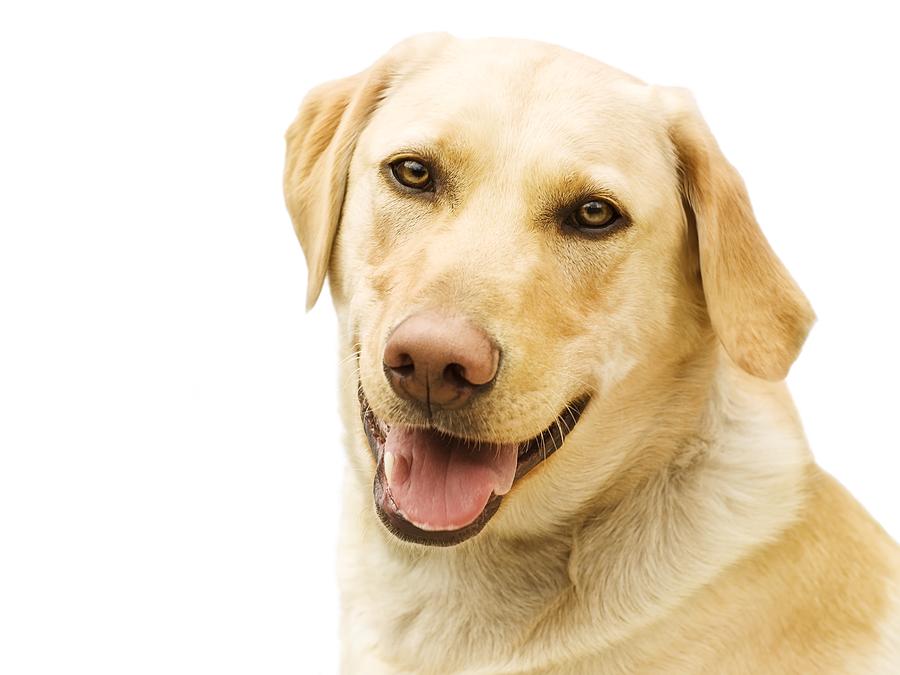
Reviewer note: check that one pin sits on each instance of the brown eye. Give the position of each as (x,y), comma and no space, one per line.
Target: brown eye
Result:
(412,173)
(597,214)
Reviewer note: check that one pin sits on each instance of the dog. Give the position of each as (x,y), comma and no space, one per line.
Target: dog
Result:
(564,338)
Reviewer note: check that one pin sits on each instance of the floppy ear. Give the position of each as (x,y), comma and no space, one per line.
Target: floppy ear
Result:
(320,145)
(758,312)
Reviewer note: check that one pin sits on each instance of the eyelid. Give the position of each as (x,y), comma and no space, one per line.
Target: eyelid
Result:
(602,197)
(421,155)
(566,210)
(567,218)
(417,156)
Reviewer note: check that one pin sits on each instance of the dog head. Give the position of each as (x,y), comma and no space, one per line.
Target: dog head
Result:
(527,250)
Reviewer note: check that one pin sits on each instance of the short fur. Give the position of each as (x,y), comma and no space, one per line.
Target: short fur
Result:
(683,527)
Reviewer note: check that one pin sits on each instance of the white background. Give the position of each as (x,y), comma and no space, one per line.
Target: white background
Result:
(170,463)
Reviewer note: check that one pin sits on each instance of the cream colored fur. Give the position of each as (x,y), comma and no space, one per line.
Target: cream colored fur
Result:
(683,527)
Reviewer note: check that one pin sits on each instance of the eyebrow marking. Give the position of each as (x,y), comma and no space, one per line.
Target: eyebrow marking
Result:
(563,195)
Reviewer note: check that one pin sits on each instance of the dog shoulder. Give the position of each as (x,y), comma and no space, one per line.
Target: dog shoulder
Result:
(828,589)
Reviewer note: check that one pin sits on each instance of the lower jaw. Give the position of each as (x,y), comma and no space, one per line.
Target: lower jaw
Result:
(531,453)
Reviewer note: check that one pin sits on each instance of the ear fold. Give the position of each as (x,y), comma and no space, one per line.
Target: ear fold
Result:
(320,145)
(758,312)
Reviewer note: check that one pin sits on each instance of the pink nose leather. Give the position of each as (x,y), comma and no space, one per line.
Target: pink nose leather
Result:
(439,360)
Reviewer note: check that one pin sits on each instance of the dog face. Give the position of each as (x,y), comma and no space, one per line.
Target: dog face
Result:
(529,251)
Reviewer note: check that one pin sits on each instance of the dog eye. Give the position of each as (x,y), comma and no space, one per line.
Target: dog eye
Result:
(595,215)
(412,173)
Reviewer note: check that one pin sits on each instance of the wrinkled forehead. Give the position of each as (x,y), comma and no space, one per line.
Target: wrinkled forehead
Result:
(534,107)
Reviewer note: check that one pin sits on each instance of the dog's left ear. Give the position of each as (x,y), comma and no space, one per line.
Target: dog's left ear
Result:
(320,145)
(758,312)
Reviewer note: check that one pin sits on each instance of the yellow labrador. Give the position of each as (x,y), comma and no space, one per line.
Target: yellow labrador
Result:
(564,338)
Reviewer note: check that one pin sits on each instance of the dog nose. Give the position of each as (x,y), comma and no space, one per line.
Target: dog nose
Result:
(439,359)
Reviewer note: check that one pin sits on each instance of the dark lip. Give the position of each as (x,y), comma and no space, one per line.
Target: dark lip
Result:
(531,453)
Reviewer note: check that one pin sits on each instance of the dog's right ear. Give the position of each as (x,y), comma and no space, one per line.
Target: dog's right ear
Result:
(320,145)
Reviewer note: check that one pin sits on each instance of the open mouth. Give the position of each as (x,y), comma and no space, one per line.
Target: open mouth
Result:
(437,489)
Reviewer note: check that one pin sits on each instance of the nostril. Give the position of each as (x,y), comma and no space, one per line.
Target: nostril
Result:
(405,370)
(402,364)
(455,374)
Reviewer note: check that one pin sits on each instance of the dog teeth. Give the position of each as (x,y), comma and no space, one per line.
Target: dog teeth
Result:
(388,465)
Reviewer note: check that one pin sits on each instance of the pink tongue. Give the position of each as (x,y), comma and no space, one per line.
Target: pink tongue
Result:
(442,483)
